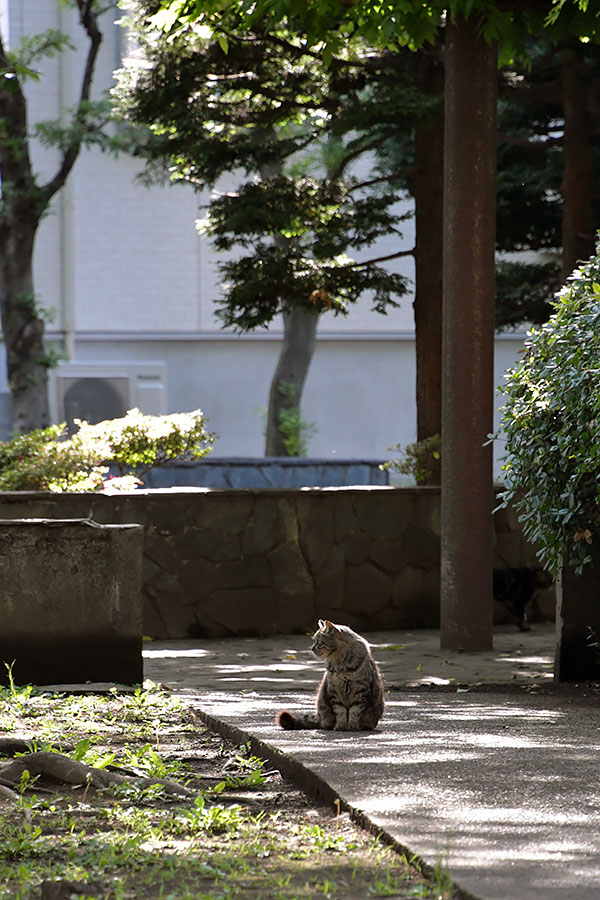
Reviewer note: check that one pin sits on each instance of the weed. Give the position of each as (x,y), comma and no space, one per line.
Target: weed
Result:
(18,695)
(146,761)
(202,817)
(443,881)
(20,841)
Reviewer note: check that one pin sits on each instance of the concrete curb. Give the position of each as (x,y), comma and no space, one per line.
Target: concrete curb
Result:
(319,790)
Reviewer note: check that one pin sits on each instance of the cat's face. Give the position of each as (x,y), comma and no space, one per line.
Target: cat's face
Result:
(326,639)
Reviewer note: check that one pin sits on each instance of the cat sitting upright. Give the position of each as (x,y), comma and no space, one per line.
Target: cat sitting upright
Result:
(350,697)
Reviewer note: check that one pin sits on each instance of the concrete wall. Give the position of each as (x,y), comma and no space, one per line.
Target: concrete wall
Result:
(226,562)
(70,601)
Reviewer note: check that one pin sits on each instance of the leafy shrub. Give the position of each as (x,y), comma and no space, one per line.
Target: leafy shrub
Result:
(46,460)
(296,431)
(552,425)
(420,460)
(42,460)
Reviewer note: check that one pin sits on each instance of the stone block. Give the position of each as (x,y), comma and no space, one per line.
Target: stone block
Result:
(408,587)
(421,548)
(426,510)
(272,522)
(245,611)
(248,572)
(70,601)
(294,612)
(288,566)
(577,656)
(226,512)
(197,577)
(367,590)
(316,531)
(163,552)
(329,585)
(506,519)
(357,547)
(344,517)
(387,555)
(215,546)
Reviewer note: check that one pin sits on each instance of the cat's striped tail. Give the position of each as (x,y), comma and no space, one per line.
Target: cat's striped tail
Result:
(286,720)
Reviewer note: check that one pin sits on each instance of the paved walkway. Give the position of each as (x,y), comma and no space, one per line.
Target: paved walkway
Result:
(500,780)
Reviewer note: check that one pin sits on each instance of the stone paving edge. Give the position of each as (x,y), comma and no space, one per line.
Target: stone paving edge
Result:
(319,790)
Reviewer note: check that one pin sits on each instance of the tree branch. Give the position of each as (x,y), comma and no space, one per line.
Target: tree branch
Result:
(89,21)
(380,259)
(404,173)
(354,154)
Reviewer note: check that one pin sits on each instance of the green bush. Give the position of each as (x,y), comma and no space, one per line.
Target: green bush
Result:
(420,460)
(296,431)
(43,460)
(47,460)
(551,421)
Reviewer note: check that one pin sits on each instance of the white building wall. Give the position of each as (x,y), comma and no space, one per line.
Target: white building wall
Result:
(129,279)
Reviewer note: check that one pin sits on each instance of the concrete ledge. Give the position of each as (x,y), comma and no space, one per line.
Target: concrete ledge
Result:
(70,601)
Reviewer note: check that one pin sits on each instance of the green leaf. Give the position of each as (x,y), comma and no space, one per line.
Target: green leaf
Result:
(81,750)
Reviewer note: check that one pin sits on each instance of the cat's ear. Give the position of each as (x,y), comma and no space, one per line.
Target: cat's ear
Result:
(330,626)
(322,624)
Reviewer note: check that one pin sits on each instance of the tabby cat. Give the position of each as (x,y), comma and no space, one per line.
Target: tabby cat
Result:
(350,697)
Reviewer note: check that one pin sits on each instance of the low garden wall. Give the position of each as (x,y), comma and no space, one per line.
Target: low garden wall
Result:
(70,603)
(246,562)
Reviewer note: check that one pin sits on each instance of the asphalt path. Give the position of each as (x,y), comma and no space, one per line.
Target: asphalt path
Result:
(479,764)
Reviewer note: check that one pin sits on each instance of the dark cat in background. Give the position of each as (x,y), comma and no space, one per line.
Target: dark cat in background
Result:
(350,697)
(515,586)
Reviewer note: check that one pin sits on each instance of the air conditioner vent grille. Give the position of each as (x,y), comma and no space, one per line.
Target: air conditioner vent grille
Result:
(95,399)
(98,391)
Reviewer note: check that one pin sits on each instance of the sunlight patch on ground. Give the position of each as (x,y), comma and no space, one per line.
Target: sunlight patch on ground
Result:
(173,653)
(526,660)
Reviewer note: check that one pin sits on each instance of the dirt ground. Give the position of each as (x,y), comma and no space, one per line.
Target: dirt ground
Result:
(237,829)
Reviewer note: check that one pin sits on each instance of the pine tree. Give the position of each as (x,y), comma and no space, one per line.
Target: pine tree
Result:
(262,107)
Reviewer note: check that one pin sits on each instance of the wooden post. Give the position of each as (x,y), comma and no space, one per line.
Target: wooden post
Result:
(468,338)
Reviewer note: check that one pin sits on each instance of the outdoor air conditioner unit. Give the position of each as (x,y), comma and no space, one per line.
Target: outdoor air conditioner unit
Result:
(99,391)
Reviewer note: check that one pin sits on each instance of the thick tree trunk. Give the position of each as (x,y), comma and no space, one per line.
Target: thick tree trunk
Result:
(24,202)
(578,179)
(299,341)
(428,193)
(468,338)
(22,328)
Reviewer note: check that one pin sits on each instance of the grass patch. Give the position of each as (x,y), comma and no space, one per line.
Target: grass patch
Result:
(241,831)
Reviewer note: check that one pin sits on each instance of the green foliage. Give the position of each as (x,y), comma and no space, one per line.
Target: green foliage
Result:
(139,443)
(147,762)
(46,460)
(523,292)
(552,425)
(418,460)
(291,130)
(31,49)
(295,429)
(41,460)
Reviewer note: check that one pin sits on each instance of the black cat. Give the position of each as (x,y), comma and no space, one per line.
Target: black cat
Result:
(514,588)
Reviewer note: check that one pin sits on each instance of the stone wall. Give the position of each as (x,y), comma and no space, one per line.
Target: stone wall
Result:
(225,562)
